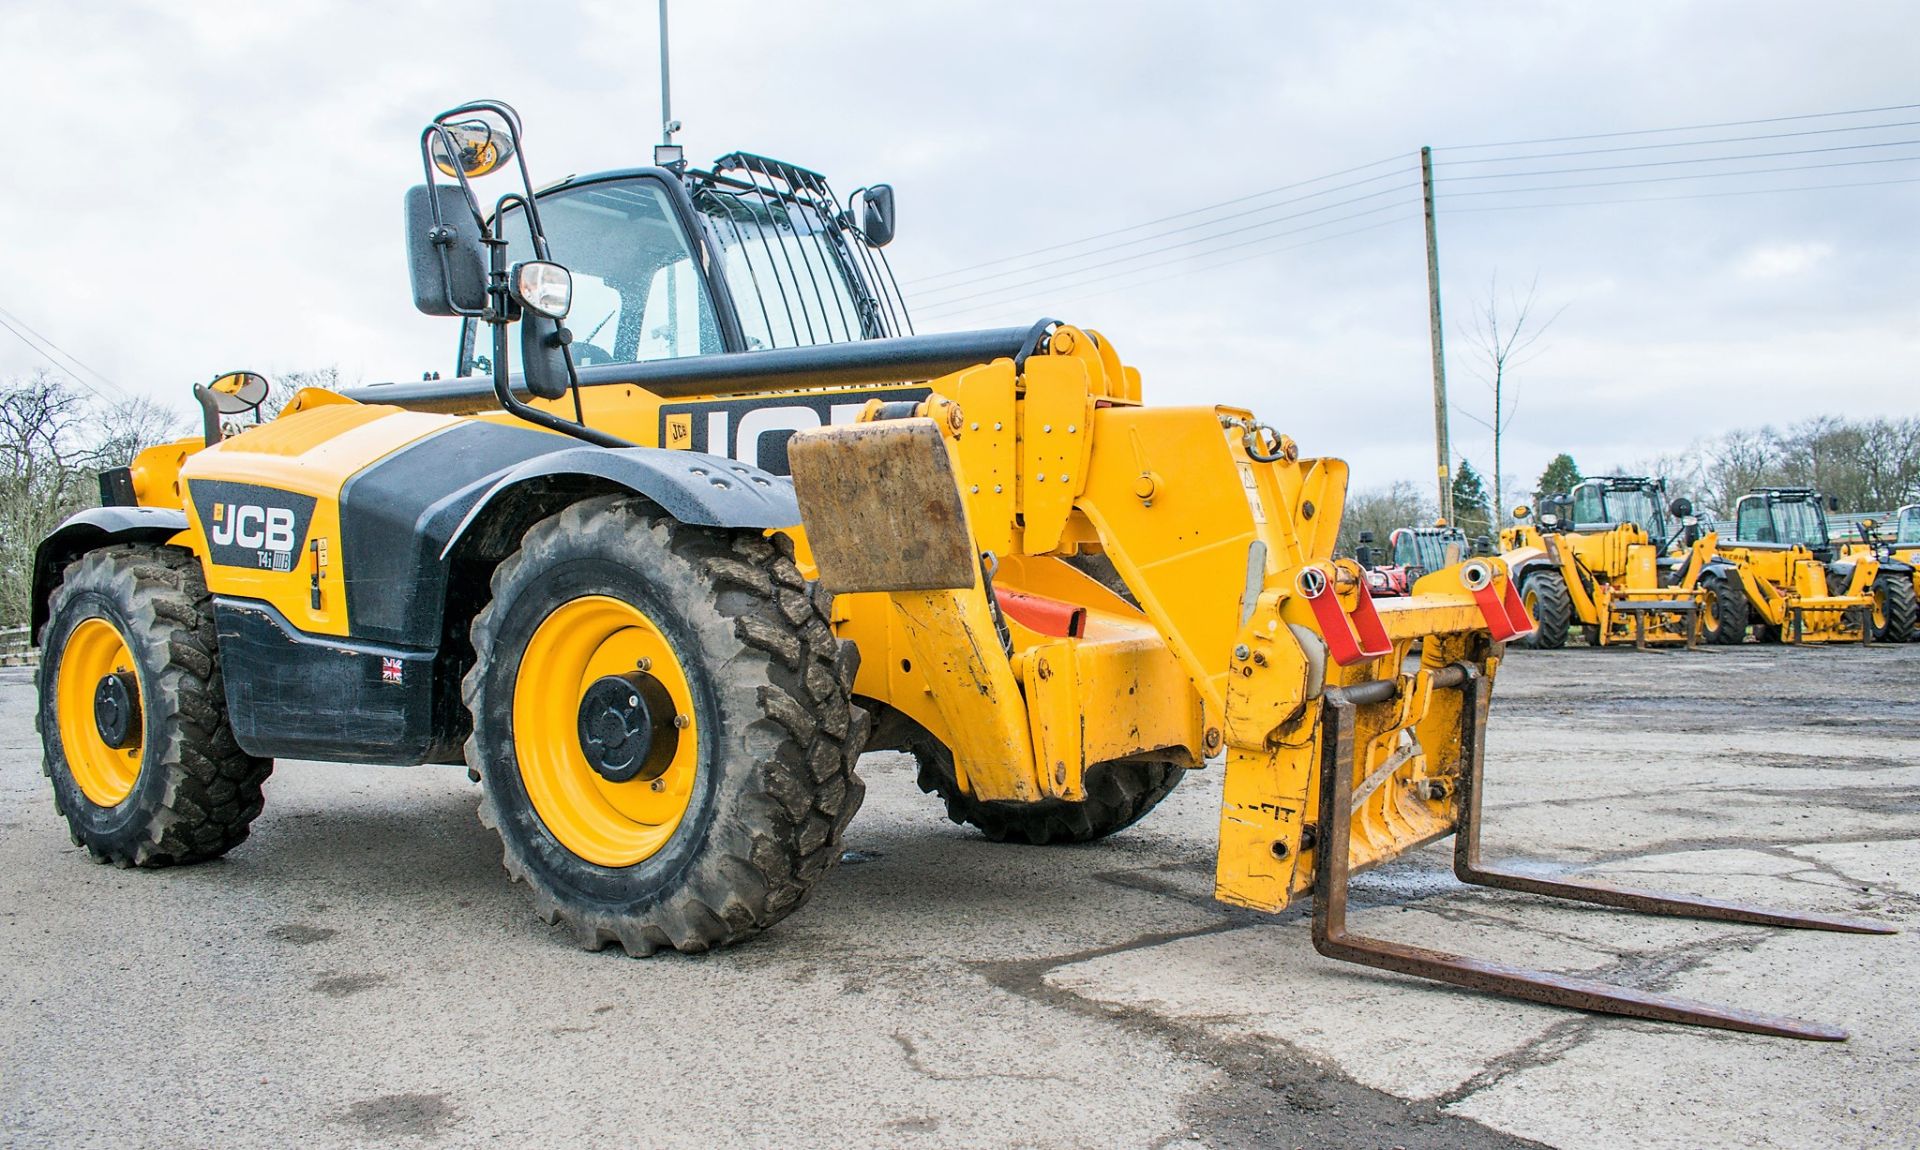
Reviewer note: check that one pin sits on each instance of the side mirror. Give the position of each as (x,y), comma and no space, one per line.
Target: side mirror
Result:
(543,355)
(876,220)
(447,262)
(1681,507)
(1833,503)
(1522,511)
(1366,537)
(234,393)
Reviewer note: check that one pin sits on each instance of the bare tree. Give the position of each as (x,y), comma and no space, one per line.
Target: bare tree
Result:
(1383,509)
(131,426)
(43,476)
(1502,336)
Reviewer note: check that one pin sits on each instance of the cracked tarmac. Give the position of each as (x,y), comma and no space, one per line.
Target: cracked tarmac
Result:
(360,973)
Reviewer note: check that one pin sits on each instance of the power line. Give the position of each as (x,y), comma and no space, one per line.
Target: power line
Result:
(1183,243)
(1684,196)
(1122,286)
(1679,144)
(8,320)
(1161,220)
(1674,163)
(1692,176)
(1190,227)
(938,304)
(1686,128)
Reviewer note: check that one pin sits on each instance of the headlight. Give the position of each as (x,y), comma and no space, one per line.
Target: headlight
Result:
(543,287)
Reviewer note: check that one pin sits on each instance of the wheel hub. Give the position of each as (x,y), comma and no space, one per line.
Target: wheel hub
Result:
(116,709)
(627,728)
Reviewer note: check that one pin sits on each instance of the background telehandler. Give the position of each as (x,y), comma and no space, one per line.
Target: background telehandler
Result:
(1411,554)
(579,567)
(1797,589)
(1598,558)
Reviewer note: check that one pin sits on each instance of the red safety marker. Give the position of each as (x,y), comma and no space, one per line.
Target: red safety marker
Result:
(1350,638)
(1503,609)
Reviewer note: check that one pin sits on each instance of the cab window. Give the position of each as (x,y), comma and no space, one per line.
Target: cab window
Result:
(1588,505)
(1751,523)
(637,293)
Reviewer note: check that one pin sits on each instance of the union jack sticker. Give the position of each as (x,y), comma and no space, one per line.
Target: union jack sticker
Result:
(390,670)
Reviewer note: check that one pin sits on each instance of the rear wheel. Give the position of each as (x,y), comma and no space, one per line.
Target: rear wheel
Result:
(1118,795)
(133,713)
(1544,592)
(663,728)
(1895,610)
(1723,616)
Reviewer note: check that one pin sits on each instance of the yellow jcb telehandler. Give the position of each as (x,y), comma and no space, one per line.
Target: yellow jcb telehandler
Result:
(1797,589)
(580,567)
(1598,559)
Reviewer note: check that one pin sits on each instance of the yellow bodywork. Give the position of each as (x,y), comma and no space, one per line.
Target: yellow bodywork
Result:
(1613,581)
(1788,592)
(1219,528)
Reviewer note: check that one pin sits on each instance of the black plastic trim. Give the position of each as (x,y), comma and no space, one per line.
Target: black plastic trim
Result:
(87,530)
(896,360)
(294,695)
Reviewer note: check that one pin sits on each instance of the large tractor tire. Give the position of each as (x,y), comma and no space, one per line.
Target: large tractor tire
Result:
(1118,795)
(663,727)
(1545,594)
(133,713)
(1724,616)
(1895,609)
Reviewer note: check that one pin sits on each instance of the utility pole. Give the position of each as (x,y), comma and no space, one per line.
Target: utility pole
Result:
(1443,450)
(669,125)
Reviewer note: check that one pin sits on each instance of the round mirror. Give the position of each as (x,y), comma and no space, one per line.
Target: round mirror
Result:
(479,146)
(1681,507)
(238,392)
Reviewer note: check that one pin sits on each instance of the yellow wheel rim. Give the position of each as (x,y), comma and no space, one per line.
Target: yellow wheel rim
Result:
(611,824)
(93,651)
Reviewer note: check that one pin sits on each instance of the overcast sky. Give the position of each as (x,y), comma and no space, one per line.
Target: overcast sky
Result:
(193,187)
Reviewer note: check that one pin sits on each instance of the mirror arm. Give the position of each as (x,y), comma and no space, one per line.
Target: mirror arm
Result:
(209,414)
(502,387)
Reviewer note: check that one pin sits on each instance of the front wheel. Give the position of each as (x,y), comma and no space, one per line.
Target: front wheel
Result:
(1895,610)
(1545,594)
(1723,616)
(133,713)
(663,727)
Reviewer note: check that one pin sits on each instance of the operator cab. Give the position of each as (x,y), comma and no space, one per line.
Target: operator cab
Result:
(1785,517)
(1602,504)
(1428,548)
(1906,526)
(669,262)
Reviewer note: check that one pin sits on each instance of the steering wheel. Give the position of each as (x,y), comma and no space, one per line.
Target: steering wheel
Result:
(590,354)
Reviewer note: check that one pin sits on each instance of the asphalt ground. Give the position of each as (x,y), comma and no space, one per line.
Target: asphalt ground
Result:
(360,972)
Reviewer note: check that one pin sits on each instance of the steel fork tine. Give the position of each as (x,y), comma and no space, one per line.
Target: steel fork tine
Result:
(1469,868)
(1333,871)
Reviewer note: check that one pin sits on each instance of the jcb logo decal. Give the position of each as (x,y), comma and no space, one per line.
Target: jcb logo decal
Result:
(252,526)
(755,431)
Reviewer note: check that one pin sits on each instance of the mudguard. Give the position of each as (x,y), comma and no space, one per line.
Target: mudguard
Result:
(93,528)
(708,490)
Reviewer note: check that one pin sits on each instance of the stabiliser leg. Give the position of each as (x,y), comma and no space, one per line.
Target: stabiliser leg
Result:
(1330,935)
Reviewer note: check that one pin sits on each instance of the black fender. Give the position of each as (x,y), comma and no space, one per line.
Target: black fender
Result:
(89,530)
(708,490)
(1896,567)
(1726,570)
